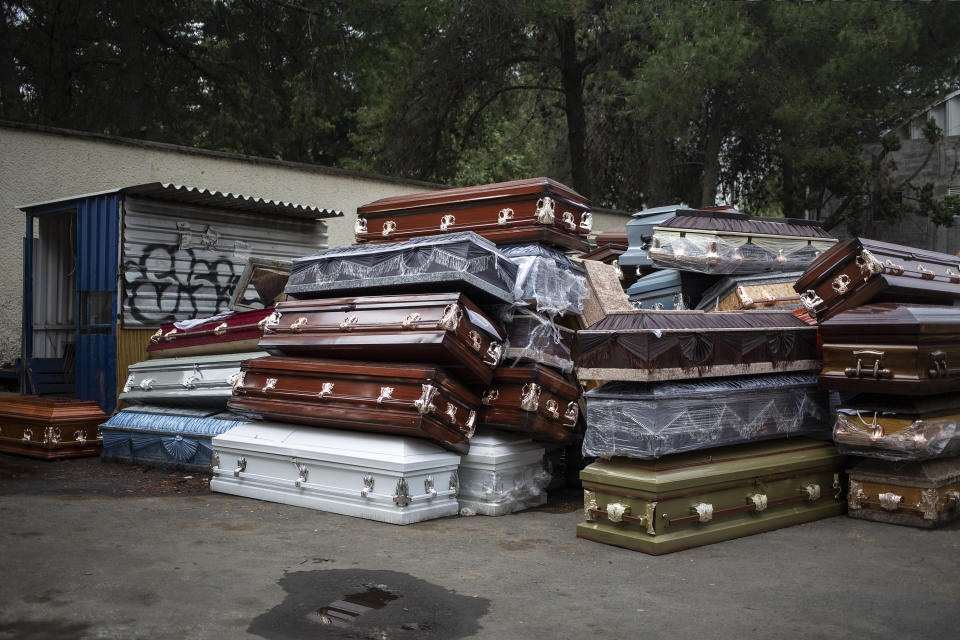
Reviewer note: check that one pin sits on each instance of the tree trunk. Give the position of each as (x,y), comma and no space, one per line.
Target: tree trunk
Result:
(711,161)
(571,78)
(132,85)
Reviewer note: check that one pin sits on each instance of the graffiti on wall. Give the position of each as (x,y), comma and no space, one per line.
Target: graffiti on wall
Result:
(193,278)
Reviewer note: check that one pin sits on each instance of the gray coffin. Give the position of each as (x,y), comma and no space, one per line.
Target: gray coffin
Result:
(191,381)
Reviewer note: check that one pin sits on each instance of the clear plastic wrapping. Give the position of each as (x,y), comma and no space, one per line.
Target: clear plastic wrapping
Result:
(532,337)
(713,252)
(164,436)
(547,279)
(892,436)
(500,492)
(656,419)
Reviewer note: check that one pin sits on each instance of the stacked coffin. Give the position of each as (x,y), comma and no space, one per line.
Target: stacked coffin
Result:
(706,428)
(691,252)
(890,348)
(400,336)
(177,399)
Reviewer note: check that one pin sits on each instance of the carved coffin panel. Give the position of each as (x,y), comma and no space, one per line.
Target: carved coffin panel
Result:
(50,428)
(365,475)
(673,345)
(892,348)
(226,333)
(917,494)
(693,499)
(860,271)
(404,399)
(458,262)
(446,328)
(531,399)
(490,210)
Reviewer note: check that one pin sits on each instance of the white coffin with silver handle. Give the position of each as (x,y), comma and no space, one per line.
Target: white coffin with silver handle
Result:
(197,381)
(503,473)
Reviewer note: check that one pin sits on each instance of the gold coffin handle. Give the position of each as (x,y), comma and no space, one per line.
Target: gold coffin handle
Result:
(869,364)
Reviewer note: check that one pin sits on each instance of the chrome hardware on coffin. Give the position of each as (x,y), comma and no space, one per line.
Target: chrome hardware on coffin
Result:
(220,329)
(388,227)
(270,385)
(425,403)
(241,467)
(586,222)
(238,383)
(571,414)
(952,275)
(302,473)
(360,226)
(451,413)
(27,435)
(758,500)
(810,300)
(544,211)
(146,384)
(494,354)
(567,219)
(368,483)
(890,501)
(869,364)
(80,436)
(893,268)
(470,426)
(348,323)
(297,325)
(170,335)
(402,496)
(505,216)
(155,338)
(703,510)
(326,389)
(428,487)
(530,397)
(411,320)
(490,396)
(267,324)
(616,511)
(454,483)
(447,221)
(938,365)
(553,409)
(813,492)
(451,317)
(386,393)
(589,505)
(841,284)
(869,265)
(475,342)
(925,273)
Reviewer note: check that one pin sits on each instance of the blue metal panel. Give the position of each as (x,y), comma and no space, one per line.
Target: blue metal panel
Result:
(98,241)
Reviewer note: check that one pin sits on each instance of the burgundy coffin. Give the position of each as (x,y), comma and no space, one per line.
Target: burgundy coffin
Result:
(533,210)
(532,399)
(234,333)
(444,328)
(404,399)
(860,271)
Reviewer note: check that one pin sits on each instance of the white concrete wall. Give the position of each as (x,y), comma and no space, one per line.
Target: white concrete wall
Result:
(41,164)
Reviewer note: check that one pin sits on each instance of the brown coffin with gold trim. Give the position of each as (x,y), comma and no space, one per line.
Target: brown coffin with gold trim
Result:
(892,348)
(50,428)
(495,211)
(404,399)
(860,271)
(917,494)
(646,346)
(447,329)
(531,399)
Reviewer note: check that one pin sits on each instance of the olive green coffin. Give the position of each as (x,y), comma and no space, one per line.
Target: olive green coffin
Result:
(701,497)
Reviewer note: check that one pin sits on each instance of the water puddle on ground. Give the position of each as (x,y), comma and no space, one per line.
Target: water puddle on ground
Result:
(368,605)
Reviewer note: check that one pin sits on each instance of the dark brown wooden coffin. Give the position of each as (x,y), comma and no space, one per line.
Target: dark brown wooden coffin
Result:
(646,346)
(860,271)
(50,428)
(445,328)
(404,399)
(613,237)
(234,333)
(892,348)
(531,399)
(917,494)
(532,337)
(490,210)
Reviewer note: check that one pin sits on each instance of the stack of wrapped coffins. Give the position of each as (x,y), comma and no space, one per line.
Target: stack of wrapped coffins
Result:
(890,346)
(706,428)
(719,260)
(421,336)
(177,399)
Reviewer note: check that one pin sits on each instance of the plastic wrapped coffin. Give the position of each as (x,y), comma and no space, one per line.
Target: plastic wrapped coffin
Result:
(225,333)
(547,279)
(502,473)
(365,475)
(197,381)
(165,437)
(899,428)
(669,289)
(907,349)
(697,498)
(457,262)
(761,291)
(723,242)
(640,234)
(444,328)
(407,399)
(917,494)
(650,420)
(531,210)
(531,399)
(50,428)
(649,346)
(860,271)
(532,337)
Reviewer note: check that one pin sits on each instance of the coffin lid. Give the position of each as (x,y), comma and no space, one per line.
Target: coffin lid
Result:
(479,193)
(397,247)
(159,424)
(941,405)
(700,389)
(653,321)
(894,318)
(539,250)
(365,450)
(218,360)
(492,446)
(669,278)
(541,374)
(50,408)
(936,472)
(845,252)
(740,223)
(714,466)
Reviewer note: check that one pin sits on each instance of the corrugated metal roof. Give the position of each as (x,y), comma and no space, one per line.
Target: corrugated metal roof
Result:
(200,196)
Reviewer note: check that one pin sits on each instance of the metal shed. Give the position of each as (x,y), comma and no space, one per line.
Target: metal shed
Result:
(101,271)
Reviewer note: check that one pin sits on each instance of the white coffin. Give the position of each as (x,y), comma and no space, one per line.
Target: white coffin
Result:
(502,473)
(367,475)
(190,381)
